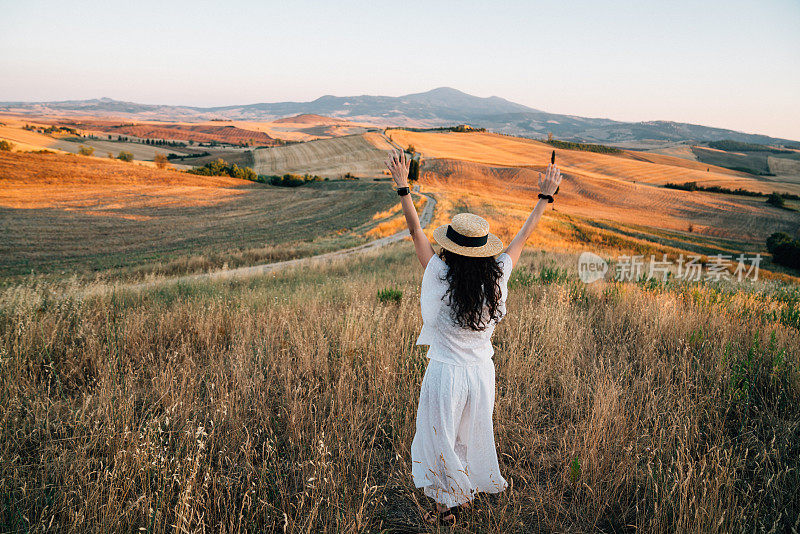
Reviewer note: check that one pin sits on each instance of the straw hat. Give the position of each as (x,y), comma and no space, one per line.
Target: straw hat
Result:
(468,235)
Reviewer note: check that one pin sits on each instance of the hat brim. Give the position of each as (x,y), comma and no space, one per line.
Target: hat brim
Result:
(493,245)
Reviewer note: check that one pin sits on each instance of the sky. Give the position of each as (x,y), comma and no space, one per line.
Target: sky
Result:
(731,64)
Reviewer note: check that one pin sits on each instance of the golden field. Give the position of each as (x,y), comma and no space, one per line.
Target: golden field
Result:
(88,216)
(709,214)
(501,150)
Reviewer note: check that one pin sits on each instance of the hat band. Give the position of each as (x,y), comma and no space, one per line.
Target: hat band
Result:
(465,240)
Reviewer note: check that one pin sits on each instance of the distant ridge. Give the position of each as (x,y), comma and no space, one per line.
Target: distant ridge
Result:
(309,118)
(442,106)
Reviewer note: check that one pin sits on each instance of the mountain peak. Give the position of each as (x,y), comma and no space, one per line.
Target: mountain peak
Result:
(443,91)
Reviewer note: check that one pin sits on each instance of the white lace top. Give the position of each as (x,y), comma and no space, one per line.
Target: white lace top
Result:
(448,341)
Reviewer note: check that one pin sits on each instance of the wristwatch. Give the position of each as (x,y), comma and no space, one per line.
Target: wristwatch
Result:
(548,197)
(403,191)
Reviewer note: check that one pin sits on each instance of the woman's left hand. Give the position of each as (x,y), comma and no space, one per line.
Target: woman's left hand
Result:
(399,164)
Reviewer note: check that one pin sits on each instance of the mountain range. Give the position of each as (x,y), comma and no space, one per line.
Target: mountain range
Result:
(439,107)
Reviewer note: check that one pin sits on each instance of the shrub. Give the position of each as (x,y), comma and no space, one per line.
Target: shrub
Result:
(85,150)
(390,295)
(220,167)
(6,146)
(775,199)
(125,156)
(288,180)
(688,186)
(161,161)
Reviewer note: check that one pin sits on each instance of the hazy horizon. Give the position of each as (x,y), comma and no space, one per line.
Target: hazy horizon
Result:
(728,64)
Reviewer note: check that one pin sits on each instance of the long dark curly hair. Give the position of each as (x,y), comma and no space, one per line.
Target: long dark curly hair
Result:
(473,289)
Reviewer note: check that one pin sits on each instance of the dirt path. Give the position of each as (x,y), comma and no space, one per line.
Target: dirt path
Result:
(255,270)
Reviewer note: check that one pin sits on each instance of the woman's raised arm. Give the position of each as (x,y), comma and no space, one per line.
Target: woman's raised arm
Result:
(548,186)
(398,164)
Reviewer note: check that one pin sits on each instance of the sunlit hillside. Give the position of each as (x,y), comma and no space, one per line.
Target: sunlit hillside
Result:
(75,214)
(611,199)
(500,150)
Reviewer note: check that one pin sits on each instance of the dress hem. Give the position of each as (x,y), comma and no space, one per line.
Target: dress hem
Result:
(445,498)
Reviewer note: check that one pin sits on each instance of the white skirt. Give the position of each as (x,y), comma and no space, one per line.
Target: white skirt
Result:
(453,453)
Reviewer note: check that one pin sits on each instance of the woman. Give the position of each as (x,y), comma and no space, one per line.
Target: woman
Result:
(463,297)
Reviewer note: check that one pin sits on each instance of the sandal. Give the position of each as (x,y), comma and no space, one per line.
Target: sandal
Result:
(436,515)
(451,515)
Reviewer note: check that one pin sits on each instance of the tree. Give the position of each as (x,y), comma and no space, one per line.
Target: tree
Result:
(125,156)
(84,150)
(6,146)
(413,170)
(785,250)
(161,161)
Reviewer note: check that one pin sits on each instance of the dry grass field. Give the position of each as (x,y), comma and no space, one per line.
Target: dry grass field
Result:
(66,213)
(286,404)
(360,155)
(500,150)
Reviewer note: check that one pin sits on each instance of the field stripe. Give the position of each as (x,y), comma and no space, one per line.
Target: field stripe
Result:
(257,270)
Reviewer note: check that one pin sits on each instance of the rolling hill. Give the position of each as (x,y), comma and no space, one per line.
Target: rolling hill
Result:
(360,155)
(438,107)
(500,150)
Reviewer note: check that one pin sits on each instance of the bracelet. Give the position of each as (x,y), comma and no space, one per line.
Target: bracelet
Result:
(403,191)
(548,197)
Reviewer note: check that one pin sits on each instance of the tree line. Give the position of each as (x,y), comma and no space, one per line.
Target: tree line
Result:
(586,147)
(729,145)
(694,186)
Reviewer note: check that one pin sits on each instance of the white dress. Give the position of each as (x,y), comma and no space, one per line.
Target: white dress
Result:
(453,453)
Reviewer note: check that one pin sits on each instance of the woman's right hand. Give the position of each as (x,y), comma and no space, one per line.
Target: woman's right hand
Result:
(548,184)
